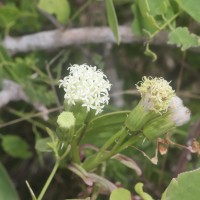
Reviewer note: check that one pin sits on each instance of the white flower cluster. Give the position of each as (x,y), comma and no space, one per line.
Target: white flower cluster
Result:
(180,113)
(88,85)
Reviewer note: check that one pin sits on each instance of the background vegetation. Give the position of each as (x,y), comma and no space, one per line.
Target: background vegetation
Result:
(135,38)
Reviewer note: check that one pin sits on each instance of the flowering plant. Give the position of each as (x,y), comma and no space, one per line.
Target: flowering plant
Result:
(86,94)
(87,85)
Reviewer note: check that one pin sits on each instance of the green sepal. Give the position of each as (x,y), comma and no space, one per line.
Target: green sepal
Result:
(64,135)
(158,126)
(139,117)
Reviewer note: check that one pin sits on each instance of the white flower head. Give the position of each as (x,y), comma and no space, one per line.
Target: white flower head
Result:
(181,116)
(88,85)
(179,113)
(175,103)
(156,94)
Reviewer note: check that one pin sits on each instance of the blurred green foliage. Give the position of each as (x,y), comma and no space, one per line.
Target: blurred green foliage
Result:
(31,71)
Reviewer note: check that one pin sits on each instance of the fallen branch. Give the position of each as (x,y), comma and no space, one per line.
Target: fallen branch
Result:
(48,40)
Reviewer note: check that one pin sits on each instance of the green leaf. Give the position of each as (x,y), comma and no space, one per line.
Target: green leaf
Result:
(129,162)
(15,146)
(104,126)
(112,19)
(8,15)
(152,16)
(42,145)
(183,38)
(157,7)
(184,187)
(119,194)
(139,190)
(191,7)
(107,122)
(7,189)
(60,8)
(144,23)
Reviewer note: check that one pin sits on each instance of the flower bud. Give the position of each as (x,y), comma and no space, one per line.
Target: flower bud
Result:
(66,124)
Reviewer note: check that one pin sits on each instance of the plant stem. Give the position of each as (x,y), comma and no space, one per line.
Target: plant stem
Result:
(112,140)
(100,157)
(119,142)
(81,133)
(128,143)
(44,189)
(87,3)
(165,24)
(95,160)
(75,152)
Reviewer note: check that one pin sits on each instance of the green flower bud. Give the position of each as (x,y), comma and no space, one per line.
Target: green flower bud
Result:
(66,120)
(66,124)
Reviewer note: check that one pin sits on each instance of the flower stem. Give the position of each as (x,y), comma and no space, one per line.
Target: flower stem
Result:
(104,154)
(75,152)
(109,143)
(119,142)
(44,189)
(130,142)
(112,140)
(100,157)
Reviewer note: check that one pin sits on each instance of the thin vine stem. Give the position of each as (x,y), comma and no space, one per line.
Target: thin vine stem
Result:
(85,5)
(165,24)
(53,172)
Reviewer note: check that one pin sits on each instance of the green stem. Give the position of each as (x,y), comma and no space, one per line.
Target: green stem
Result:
(112,140)
(128,143)
(120,134)
(64,154)
(44,189)
(80,10)
(165,24)
(119,142)
(80,133)
(75,152)
(27,117)
(96,160)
